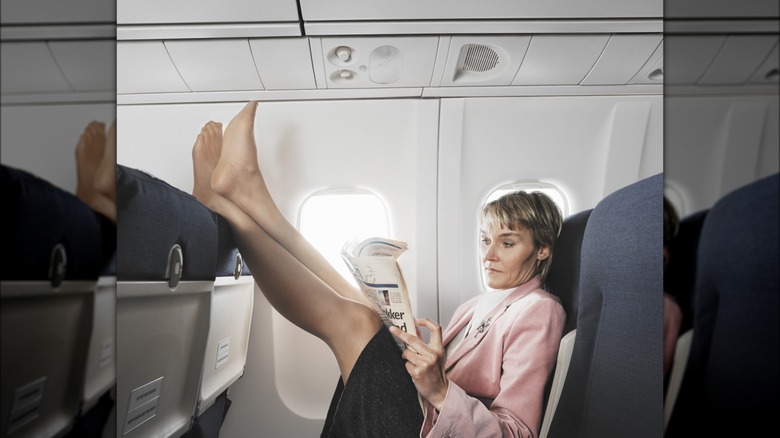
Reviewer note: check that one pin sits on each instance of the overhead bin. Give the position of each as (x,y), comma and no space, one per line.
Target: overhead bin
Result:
(205,11)
(59,12)
(348,10)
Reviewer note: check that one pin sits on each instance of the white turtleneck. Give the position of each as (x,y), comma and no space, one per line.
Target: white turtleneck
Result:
(485,305)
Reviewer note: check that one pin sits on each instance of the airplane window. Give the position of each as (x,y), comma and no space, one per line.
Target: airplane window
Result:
(330,218)
(676,198)
(548,189)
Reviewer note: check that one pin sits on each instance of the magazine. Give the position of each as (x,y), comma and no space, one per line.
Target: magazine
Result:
(373,263)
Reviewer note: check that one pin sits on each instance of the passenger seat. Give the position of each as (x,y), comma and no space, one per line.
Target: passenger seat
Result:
(613,386)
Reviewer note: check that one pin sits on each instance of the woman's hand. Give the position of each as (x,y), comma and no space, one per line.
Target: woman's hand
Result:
(425,362)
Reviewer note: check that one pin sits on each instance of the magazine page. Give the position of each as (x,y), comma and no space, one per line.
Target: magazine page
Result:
(373,265)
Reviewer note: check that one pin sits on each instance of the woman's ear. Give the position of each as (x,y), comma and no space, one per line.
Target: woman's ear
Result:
(543,253)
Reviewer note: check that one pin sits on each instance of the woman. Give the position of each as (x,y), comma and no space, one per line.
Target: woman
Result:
(375,395)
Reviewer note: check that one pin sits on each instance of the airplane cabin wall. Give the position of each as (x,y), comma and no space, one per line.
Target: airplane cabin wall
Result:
(702,164)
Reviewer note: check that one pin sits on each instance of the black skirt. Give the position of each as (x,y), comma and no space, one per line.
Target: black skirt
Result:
(379,399)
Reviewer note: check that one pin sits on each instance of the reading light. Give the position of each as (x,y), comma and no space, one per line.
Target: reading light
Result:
(656,75)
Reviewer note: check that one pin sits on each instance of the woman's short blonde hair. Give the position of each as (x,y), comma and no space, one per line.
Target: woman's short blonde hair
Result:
(534,211)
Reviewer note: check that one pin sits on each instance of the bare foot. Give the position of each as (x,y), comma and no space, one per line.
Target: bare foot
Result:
(105,176)
(89,153)
(237,175)
(205,156)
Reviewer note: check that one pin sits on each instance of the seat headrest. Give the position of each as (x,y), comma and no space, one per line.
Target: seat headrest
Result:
(154,217)
(563,280)
(37,217)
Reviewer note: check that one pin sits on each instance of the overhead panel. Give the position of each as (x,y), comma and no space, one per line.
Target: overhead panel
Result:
(283,63)
(145,67)
(738,59)
(689,56)
(653,70)
(87,65)
(378,62)
(560,59)
(484,60)
(29,67)
(769,70)
(215,65)
(622,58)
(204,11)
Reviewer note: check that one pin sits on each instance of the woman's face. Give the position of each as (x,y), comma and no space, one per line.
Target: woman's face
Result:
(508,256)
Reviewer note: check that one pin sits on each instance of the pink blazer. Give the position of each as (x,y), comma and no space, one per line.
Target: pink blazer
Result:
(498,373)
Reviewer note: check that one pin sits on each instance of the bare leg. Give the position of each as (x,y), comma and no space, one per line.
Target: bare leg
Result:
(237,177)
(90,154)
(294,290)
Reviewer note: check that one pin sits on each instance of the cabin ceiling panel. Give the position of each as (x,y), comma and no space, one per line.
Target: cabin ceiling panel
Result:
(768,72)
(560,59)
(739,57)
(622,58)
(88,65)
(146,67)
(215,65)
(283,63)
(28,67)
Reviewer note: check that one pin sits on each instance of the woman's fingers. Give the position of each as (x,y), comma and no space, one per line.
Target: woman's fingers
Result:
(435,340)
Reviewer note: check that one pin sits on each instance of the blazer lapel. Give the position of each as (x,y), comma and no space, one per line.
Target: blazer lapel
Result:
(480,329)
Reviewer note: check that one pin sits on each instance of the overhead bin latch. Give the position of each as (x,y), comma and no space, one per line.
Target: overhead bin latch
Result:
(239,266)
(58,265)
(175,266)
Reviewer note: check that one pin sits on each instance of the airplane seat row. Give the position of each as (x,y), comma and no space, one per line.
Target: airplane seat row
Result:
(58,362)
(731,383)
(612,384)
(563,281)
(183,310)
(231,313)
